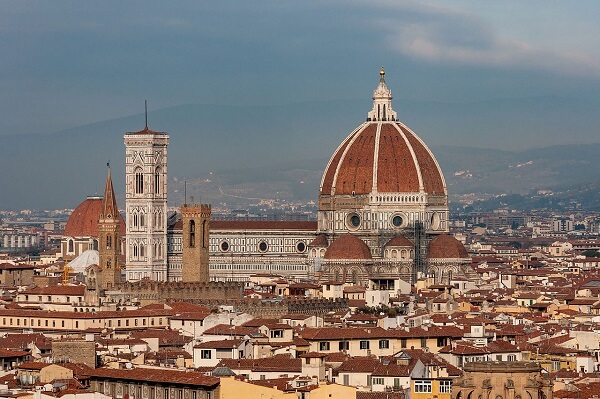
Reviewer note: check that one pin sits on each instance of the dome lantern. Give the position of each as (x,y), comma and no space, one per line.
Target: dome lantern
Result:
(382,102)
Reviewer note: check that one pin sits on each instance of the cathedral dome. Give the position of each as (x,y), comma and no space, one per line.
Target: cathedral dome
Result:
(348,246)
(83,222)
(445,246)
(382,156)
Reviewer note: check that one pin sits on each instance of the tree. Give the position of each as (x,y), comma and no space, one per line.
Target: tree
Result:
(590,253)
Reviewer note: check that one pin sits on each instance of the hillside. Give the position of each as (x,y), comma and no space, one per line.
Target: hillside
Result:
(270,151)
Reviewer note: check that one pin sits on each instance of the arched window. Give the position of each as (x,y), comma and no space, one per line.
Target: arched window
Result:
(192,234)
(108,242)
(142,220)
(204,234)
(354,276)
(157,181)
(71,246)
(135,220)
(135,250)
(139,181)
(95,245)
(141,250)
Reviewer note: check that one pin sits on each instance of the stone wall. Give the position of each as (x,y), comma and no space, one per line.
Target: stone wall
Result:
(78,351)
(155,292)
(278,308)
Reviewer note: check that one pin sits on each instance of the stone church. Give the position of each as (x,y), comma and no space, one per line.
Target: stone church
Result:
(382,217)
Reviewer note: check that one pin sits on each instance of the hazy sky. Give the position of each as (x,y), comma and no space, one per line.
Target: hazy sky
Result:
(67,63)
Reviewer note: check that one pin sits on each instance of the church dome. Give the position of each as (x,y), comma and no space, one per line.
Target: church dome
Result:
(87,258)
(445,246)
(399,241)
(382,156)
(348,246)
(83,222)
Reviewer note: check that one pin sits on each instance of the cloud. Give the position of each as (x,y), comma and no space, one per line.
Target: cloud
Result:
(437,34)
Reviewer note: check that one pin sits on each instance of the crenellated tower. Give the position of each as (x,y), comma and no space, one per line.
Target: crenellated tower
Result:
(195,242)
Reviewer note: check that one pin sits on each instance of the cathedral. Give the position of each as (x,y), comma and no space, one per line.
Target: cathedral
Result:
(382,219)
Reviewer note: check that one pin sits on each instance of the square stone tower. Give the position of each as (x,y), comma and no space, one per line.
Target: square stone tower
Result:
(195,242)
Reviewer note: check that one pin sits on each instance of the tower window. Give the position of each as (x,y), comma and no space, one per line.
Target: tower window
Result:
(142,250)
(108,242)
(192,234)
(157,181)
(71,246)
(139,182)
(204,234)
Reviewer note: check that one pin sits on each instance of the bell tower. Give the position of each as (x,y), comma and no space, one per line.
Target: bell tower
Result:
(109,239)
(195,243)
(146,204)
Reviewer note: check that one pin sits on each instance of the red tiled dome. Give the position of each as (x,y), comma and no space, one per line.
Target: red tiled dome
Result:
(320,241)
(391,159)
(348,246)
(83,222)
(445,246)
(399,241)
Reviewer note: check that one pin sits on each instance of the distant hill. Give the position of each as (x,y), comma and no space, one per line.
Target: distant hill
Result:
(282,150)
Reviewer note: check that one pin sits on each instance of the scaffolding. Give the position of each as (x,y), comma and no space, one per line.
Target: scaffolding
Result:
(420,258)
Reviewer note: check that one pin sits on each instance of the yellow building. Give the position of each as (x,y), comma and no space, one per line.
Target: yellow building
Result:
(230,388)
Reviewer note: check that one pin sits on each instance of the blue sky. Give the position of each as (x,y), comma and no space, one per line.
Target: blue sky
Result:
(68,63)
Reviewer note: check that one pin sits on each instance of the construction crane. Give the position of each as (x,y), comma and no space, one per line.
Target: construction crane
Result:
(65,274)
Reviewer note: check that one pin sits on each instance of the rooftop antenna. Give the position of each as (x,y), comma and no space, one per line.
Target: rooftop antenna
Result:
(146,112)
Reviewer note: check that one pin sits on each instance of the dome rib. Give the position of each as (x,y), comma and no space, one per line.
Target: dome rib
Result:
(354,174)
(433,182)
(327,184)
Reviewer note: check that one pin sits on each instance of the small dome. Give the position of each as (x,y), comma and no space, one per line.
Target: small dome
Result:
(320,241)
(87,258)
(445,246)
(83,222)
(399,241)
(348,246)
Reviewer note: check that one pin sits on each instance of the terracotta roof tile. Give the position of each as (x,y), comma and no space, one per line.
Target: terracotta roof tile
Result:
(83,222)
(445,246)
(348,246)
